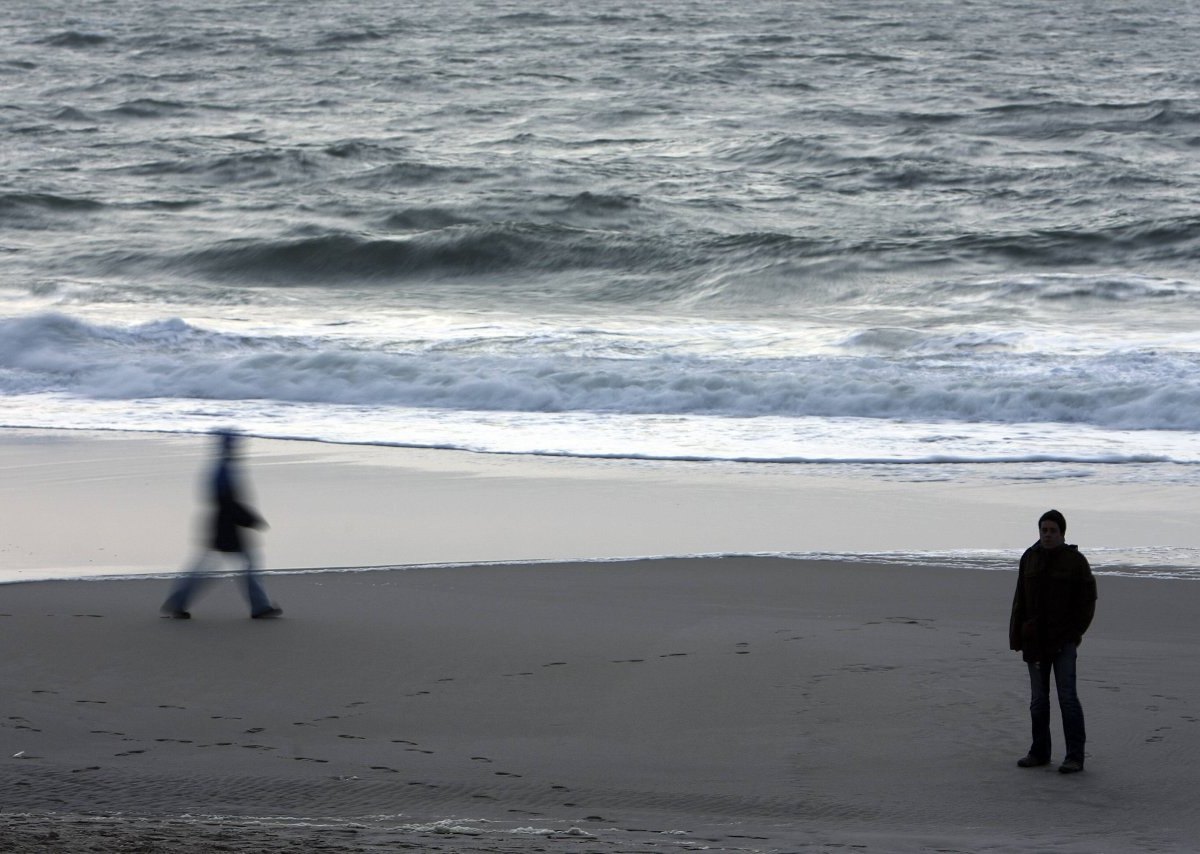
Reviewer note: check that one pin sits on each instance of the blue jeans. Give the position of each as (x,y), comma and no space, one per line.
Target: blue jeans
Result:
(1063,665)
(200,574)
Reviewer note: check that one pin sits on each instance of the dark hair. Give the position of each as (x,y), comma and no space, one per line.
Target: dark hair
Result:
(1054,516)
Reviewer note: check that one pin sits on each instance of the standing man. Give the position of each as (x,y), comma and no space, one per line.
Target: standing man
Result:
(1052,608)
(229,516)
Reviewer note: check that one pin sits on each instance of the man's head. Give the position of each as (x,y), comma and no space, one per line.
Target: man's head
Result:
(1052,529)
(227,442)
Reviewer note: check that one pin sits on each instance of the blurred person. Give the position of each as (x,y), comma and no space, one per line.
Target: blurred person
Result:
(225,536)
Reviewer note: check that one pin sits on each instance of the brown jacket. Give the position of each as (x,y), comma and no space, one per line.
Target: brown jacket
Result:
(1054,602)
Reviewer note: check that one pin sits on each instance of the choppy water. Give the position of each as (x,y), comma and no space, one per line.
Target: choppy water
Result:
(868,232)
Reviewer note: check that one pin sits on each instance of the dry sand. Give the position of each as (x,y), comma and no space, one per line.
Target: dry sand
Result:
(736,704)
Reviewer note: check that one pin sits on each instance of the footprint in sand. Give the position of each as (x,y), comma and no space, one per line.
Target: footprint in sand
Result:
(629,661)
(95,702)
(555,664)
(309,759)
(355,737)
(480,759)
(673,655)
(172,707)
(384,768)
(129,753)
(89,768)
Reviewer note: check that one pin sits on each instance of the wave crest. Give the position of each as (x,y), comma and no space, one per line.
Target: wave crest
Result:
(455,250)
(954,381)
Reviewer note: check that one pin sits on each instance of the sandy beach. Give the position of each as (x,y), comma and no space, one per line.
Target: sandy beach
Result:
(739,703)
(111,503)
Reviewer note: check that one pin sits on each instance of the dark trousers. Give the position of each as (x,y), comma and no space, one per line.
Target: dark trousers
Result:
(1063,667)
(187,586)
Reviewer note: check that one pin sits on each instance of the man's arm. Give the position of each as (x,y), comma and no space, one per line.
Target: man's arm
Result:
(1016,618)
(1085,608)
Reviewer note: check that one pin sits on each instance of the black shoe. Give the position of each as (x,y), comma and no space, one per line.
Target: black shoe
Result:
(1071,766)
(175,614)
(267,614)
(1032,761)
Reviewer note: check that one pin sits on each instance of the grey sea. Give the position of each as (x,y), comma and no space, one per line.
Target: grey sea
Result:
(916,239)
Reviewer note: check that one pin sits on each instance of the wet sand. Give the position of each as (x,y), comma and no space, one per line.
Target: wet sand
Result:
(115,503)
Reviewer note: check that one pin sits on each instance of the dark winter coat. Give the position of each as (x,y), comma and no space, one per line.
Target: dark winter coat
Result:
(230,515)
(1054,602)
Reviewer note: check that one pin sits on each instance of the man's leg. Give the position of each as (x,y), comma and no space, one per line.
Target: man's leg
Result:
(1068,703)
(186,587)
(1039,710)
(260,604)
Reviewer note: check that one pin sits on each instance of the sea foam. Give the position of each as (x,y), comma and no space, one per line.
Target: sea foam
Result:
(965,378)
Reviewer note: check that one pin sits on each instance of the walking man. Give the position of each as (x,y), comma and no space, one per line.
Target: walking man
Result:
(229,516)
(1052,608)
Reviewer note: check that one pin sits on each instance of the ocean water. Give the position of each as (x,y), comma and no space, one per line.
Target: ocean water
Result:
(860,232)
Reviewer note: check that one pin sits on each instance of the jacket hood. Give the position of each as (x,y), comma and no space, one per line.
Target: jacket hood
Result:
(1037,544)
